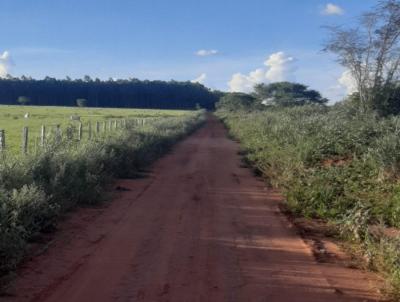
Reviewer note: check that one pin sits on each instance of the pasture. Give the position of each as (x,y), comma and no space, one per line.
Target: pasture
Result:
(12,120)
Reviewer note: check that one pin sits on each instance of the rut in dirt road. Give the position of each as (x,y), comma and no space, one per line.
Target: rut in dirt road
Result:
(200,228)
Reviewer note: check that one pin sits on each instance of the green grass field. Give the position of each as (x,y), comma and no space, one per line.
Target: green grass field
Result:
(12,119)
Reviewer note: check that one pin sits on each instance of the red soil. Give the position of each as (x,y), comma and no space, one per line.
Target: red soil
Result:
(200,228)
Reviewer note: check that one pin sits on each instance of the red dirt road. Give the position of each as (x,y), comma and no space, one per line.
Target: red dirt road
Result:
(200,228)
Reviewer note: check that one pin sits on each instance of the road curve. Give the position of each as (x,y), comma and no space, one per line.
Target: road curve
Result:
(200,228)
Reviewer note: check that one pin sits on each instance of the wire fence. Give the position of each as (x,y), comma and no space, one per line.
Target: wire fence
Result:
(76,131)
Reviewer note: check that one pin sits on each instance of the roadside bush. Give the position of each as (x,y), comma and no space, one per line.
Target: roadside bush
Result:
(334,164)
(36,189)
(23,212)
(325,160)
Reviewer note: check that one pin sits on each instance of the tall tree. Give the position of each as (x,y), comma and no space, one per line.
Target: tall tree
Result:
(371,52)
(287,94)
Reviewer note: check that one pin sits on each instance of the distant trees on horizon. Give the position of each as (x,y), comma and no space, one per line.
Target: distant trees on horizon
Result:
(123,93)
(265,96)
(287,94)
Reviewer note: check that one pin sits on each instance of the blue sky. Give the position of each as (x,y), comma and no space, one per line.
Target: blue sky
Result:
(159,39)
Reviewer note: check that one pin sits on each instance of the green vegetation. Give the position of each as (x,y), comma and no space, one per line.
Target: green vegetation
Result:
(114,93)
(12,120)
(37,188)
(236,101)
(332,164)
(279,94)
(287,94)
(370,52)
(314,152)
(339,163)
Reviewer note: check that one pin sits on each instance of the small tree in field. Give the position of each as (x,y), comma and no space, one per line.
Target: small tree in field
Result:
(371,52)
(23,100)
(81,102)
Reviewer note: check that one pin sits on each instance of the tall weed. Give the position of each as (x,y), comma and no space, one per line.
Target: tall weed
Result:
(37,188)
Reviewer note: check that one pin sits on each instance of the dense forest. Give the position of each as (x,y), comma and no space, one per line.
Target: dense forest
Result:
(110,93)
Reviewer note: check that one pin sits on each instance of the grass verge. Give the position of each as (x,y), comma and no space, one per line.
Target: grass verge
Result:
(35,190)
(335,166)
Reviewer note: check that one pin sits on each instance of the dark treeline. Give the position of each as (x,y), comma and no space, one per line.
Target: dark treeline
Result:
(112,93)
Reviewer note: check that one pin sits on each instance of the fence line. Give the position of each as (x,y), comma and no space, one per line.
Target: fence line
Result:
(25,140)
(43,136)
(71,132)
(2,140)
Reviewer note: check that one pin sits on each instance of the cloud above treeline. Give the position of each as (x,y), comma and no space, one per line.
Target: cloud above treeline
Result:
(200,79)
(206,52)
(5,63)
(332,9)
(278,67)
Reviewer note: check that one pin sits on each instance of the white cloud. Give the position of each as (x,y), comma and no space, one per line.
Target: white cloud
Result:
(5,63)
(332,9)
(279,67)
(241,83)
(345,85)
(200,79)
(347,82)
(206,52)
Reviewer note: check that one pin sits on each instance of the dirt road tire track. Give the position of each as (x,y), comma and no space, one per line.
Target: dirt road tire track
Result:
(200,228)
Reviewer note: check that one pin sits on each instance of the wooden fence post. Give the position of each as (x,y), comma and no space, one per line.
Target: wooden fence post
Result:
(97,128)
(90,130)
(25,140)
(58,134)
(115,125)
(2,140)
(104,126)
(42,135)
(80,131)
(110,125)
